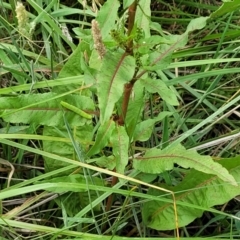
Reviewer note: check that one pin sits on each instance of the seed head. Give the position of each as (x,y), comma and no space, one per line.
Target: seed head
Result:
(24,26)
(97,38)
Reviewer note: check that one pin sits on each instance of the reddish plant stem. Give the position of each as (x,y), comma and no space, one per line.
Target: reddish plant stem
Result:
(127,87)
(129,50)
(110,198)
(127,93)
(131,19)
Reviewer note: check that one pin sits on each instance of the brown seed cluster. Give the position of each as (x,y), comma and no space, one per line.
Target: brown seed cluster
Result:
(97,38)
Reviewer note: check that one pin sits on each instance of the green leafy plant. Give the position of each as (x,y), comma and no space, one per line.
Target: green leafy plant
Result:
(97,112)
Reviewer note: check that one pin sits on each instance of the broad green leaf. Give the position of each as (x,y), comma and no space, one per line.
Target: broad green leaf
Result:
(146,177)
(146,44)
(91,70)
(120,143)
(117,69)
(144,129)
(105,162)
(107,17)
(162,59)
(82,134)
(197,188)
(196,24)
(227,7)
(44,109)
(103,135)
(95,62)
(135,108)
(73,66)
(143,16)
(153,86)
(14,129)
(156,27)
(156,55)
(157,161)
(90,65)
(161,55)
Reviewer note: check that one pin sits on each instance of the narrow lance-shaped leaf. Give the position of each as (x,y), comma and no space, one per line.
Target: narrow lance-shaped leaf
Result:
(107,17)
(196,24)
(120,143)
(142,16)
(135,108)
(160,57)
(144,129)
(157,161)
(71,68)
(153,86)
(197,188)
(117,69)
(226,7)
(103,135)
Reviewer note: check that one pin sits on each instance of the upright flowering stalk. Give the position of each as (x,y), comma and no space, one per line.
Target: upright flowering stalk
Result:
(97,38)
(24,27)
